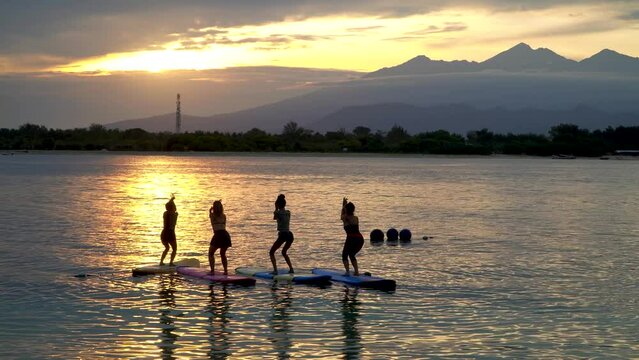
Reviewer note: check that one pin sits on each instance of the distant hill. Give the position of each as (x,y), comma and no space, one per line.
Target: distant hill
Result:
(421,64)
(520,58)
(611,61)
(523,58)
(460,119)
(518,90)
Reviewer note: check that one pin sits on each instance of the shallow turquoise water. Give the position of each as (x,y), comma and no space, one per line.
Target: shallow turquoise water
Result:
(531,257)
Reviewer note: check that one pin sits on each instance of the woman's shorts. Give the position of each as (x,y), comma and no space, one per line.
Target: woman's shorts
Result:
(221,239)
(168,237)
(352,245)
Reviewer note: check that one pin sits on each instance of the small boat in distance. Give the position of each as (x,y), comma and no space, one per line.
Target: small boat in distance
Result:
(622,155)
(563,157)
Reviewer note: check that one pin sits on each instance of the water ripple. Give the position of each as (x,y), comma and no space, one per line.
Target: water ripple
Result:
(528,260)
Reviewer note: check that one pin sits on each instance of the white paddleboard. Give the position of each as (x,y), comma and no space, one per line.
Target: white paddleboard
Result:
(165,269)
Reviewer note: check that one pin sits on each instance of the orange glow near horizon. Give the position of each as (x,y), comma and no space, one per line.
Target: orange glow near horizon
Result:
(158,60)
(368,43)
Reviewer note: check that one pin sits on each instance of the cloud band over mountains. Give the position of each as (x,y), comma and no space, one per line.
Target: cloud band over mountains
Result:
(51,33)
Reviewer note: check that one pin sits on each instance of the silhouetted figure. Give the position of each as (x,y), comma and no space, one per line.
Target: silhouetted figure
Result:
(221,238)
(168,232)
(284,235)
(354,240)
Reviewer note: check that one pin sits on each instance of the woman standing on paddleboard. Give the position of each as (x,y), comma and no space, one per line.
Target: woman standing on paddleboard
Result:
(221,238)
(354,239)
(168,232)
(284,235)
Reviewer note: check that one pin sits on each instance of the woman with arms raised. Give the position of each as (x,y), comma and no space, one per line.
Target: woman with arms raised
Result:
(354,239)
(221,238)
(284,234)
(168,231)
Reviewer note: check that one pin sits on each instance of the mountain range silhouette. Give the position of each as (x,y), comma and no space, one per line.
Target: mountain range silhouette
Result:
(518,58)
(519,90)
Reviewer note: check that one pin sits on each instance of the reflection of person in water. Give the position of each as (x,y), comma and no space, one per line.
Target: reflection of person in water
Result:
(218,321)
(280,327)
(350,313)
(168,231)
(167,303)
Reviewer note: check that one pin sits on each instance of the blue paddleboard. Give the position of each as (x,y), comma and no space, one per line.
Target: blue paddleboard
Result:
(283,275)
(365,281)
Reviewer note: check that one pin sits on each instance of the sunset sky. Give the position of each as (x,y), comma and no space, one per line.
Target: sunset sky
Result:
(362,35)
(232,55)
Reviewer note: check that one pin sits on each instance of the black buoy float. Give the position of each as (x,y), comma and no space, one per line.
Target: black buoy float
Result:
(377,236)
(392,235)
(405,235)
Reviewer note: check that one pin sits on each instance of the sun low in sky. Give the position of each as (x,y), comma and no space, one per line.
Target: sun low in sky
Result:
(352,39)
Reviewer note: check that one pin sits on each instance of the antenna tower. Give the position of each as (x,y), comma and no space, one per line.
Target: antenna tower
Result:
(178,116)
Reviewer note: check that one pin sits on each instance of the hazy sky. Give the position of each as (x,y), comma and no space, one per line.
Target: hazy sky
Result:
(41,40)
(363,35)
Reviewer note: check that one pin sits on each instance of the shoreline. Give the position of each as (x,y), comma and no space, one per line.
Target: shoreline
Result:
(281,154)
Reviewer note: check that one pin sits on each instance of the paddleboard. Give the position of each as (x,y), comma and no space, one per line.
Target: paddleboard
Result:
(365,281)
(204,273)
(164,269)
(284,276)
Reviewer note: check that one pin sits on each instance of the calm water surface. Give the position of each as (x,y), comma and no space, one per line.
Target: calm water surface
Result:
(531,257)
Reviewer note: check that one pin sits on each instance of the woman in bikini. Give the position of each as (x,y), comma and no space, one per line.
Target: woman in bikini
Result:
(168,231)
(284,235)
(221,238)
(354,239)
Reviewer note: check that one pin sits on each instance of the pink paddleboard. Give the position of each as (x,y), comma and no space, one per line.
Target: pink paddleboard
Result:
(218,277)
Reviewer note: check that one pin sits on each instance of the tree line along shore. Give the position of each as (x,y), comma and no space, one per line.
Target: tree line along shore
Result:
(561,139)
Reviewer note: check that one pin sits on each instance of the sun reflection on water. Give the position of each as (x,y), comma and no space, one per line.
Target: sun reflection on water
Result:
(146,188)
